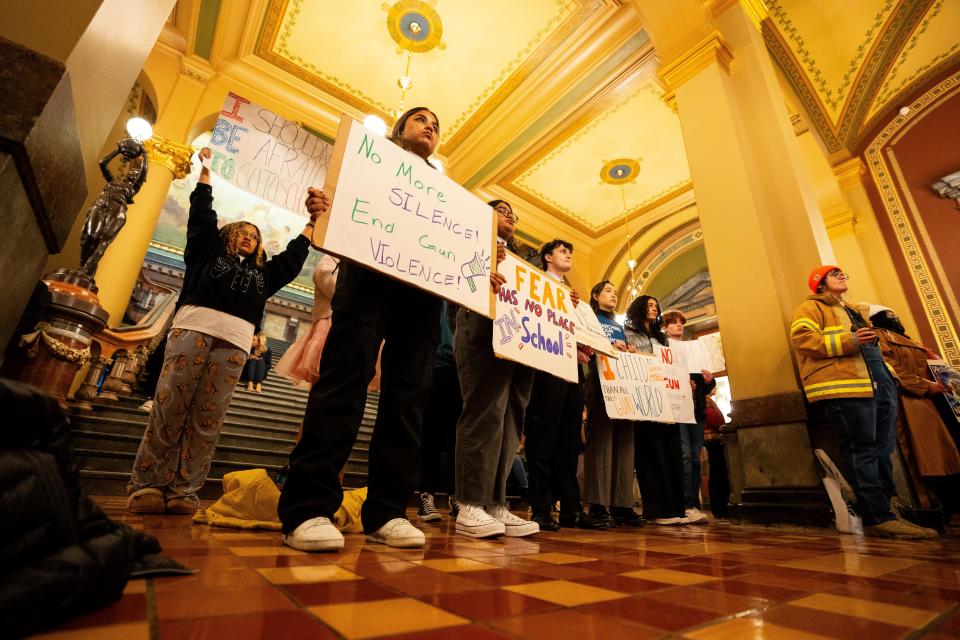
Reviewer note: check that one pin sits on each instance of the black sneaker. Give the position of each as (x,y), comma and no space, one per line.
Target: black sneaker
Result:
(582,520)
(427,512)
(627,517)
(454,508)
(600,513)
(546,523)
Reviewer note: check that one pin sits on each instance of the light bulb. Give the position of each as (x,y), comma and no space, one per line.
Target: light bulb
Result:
(633,292)
(139,129)
(405,82)
(632,264)
(375,124)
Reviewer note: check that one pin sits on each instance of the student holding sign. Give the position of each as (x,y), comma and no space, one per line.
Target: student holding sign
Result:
(691,435)
(657,452)
(552,428)
(368,309)
(227,283)
(608,458)
(496,392)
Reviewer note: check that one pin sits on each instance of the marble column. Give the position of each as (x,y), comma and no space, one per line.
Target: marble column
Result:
(763,232)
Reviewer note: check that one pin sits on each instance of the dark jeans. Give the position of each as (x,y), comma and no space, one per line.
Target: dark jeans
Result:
(659,460)
(691,442)
(719,481)
(254,371)
(552,428)
(368,309)
(438,446)
(866,428)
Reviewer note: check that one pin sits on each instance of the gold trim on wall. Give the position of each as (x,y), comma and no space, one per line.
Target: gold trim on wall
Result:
(883,175)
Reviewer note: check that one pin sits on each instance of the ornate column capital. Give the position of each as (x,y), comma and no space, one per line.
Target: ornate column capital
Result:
(172,155)
(710,49)
(754,9)
(848,173)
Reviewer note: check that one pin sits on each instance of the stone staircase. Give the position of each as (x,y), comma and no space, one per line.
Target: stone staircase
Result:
(259,430)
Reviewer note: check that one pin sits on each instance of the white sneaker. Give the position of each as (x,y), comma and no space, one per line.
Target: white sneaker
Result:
(316,534)
(669,522)
(147,406)
(695,516)
(398,533)
(515,526)
(474,522)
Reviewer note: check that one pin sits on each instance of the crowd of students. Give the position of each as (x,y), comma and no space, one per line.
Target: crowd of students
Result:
(446,396)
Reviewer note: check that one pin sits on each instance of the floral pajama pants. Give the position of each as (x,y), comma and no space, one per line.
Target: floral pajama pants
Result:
(198,378)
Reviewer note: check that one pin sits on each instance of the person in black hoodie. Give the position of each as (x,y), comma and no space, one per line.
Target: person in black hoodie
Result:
(226,285)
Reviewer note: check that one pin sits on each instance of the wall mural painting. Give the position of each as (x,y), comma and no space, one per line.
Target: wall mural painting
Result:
(278,226)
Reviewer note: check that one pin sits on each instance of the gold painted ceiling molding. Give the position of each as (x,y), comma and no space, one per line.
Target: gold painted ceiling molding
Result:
(839,113)
(712,48)
(903,227)
(754,9)
(658,256)
(499,90)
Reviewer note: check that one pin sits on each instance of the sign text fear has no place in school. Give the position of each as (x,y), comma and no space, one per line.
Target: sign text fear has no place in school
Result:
(534,322)
(394,213)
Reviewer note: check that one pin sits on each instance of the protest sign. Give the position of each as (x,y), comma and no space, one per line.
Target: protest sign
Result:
(950,379)
(267,155)
(395,214)
(640,386)
(590,332)
(703,354)
(533,320)
(713,347)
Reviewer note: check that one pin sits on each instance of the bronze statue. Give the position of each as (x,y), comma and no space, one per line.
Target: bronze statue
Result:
(109,213)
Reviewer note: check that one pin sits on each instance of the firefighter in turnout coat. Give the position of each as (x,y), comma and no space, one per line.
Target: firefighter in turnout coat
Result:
(850,387)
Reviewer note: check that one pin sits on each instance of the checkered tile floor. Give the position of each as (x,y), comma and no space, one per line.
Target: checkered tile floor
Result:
(720,581)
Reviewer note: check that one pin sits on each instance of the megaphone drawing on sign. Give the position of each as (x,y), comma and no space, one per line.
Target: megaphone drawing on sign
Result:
(473,269)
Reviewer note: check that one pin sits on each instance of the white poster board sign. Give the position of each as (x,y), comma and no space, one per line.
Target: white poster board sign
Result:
(533,321)
(590,332)
(395,214)
(267,155)
(640,386)
(703,354)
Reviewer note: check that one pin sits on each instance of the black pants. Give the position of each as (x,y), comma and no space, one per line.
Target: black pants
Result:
(719,481)
(552,428)
(659,460)
(367,309)
(440,432)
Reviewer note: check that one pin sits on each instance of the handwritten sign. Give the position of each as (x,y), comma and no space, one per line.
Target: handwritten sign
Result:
(640,386)
(267,155)
(702,354)
(590,332)
(534,323)
(395,214)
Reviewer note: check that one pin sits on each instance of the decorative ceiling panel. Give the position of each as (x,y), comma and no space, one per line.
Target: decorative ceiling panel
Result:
(344,48)
(564,178)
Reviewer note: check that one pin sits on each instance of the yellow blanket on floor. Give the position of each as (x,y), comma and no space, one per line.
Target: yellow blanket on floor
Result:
(250,499)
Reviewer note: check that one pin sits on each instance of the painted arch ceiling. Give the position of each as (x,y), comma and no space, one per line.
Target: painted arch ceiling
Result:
(534,96)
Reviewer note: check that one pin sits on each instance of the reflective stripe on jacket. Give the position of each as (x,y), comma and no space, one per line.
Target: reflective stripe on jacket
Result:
(828,353)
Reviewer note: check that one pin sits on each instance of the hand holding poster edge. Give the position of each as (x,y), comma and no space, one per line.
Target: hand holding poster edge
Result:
(322,222)
(589,332)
